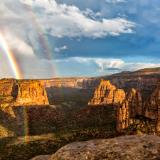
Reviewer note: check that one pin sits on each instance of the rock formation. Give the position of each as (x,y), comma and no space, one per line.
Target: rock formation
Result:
(152,107)
(145,79)
(128,147)
(107,94)
(130,105)
(72,82)
(31,93)
(134,100)
(15,97)
(22,92)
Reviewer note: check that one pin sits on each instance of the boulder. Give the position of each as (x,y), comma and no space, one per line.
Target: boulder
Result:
(144,147)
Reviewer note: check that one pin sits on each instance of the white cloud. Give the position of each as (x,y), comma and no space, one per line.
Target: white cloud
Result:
(64,20)
(62,48)
(104,65)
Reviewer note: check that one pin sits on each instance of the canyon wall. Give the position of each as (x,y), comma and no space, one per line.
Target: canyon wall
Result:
(106,94)
(31,93)
(146,79)
(132,108)
(81,82)
(14,95)
(130,99)
(22,92)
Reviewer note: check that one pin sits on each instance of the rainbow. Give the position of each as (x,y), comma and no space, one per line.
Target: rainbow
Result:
(12,60)
(43,41)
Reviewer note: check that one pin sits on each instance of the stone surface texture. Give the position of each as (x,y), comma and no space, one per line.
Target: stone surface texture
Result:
(146,147)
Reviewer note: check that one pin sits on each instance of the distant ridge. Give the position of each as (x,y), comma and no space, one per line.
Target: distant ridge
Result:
(141,72)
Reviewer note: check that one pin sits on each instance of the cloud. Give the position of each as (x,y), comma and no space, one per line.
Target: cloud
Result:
(102,66)
(63,20)
(27,24)
(62,48)
(105,64)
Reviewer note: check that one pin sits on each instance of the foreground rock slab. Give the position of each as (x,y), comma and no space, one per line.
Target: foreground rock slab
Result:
(42,157)
(146,147)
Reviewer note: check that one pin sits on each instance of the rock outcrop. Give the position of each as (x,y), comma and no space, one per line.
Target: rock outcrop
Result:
(145,79)
(31,93)
(107,94)
(6,87)
(22,92)
(134,100)
(132,108)
(74,82)
(16,99)
(128,147)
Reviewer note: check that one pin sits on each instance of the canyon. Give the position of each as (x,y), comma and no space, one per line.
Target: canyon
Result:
(131,107)
(130,98)
(72,109)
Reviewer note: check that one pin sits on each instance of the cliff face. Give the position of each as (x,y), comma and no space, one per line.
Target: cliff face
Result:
(31,93)
(145,79)
(129,105)
(152,107)
(71,82)
(18,93)
(22,92)
(106,94)
(6,87)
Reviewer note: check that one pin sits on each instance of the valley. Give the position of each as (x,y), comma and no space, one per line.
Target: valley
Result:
(47,114)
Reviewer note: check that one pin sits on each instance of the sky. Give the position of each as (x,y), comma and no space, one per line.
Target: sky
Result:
(66,38)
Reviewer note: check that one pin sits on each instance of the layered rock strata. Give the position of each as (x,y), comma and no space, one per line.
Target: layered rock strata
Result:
(106,94)
(22,92)
(31,93)
(15,119)
(132,108)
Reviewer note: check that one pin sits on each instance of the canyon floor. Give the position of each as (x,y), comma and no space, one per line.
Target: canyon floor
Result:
(38,117)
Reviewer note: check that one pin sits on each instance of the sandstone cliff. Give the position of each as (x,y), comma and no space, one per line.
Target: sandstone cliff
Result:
(106,94)
(131,107)
(145,79)
(31,93)
(22,92)
(14,95)
(82,82)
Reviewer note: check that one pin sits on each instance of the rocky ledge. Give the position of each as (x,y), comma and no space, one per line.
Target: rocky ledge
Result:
(127,147)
